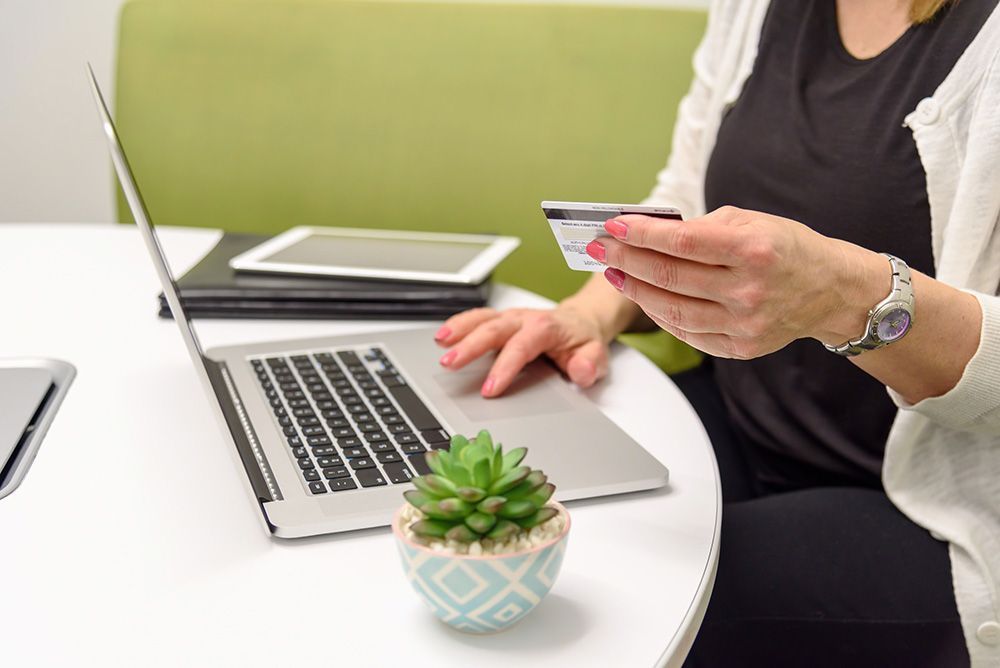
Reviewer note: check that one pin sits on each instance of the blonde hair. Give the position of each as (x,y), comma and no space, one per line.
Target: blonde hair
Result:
(922,11)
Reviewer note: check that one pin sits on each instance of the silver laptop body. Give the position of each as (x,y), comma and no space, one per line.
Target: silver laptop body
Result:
(394,378)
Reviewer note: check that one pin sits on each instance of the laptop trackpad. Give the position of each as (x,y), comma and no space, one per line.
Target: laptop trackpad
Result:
(533,392)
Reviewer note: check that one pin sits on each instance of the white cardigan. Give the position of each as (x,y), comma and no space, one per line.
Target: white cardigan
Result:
(942,459)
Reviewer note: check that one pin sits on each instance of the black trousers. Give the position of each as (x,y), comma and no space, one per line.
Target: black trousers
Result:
(819,576)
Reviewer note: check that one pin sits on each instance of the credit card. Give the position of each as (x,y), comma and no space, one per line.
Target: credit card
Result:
(576,224)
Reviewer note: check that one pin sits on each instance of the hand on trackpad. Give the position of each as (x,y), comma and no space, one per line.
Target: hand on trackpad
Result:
(533,392)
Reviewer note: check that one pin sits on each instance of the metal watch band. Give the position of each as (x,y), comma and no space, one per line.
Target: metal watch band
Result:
(901,293)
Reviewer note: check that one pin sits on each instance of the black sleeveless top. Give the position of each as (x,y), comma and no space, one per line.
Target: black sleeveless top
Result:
(817,136)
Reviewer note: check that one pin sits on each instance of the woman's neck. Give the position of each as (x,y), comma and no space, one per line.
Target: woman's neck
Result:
(869,27)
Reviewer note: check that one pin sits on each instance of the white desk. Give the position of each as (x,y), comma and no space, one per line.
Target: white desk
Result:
(132,540)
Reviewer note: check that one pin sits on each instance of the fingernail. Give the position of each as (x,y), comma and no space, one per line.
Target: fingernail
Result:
(442,334)
(448,357)
(615,277)
(488,386)
(616,228)
(596,250)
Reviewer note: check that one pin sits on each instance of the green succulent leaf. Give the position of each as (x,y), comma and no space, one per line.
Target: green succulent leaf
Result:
(455,506)
(431,528)
(496,469)
(439,510)
(437,463)
(512,459)
(415,498)
(457,443)
(483,438)
(480,522)
(529,485)
(482,473)
(542,495)
(516,509)
(503,530)
(538,517)
(461,533)
(471,494)
(491,505)
(435,485)
(509,480)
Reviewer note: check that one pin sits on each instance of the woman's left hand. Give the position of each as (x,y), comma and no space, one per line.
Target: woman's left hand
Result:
(742,284)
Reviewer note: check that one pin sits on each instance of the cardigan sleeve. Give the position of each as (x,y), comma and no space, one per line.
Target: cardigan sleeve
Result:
(974,403)
(681,182)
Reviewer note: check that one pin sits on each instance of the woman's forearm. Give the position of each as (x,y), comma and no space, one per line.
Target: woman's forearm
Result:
(930,359)
(614,313)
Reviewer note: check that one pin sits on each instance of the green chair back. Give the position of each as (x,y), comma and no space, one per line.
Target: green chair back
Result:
(259,115)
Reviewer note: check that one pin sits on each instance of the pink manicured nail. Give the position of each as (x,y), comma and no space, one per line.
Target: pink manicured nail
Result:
(442,334)
(596,250)
(616,228)
(615,277)
(448,357)
(488,386)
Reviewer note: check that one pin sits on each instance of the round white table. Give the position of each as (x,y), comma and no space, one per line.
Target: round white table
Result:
(132,541)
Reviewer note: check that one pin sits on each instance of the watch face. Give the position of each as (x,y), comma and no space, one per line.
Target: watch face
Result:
(893,325)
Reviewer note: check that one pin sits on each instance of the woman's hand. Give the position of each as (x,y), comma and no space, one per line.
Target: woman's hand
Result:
(571,337)
(742,284)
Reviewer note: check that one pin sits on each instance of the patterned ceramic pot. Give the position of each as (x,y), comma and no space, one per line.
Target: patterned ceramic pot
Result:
(482,594)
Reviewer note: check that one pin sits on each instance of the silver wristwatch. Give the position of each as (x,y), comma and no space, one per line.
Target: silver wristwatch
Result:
(890,319)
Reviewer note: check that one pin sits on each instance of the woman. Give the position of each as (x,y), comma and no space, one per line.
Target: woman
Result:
(859,452)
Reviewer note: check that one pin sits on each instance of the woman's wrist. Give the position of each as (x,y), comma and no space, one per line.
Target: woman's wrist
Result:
(858,279)
(605,307)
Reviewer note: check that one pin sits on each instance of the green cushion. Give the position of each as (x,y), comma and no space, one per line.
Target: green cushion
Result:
(260,115)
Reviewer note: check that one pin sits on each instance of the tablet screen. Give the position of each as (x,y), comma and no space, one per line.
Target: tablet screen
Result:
(379,253)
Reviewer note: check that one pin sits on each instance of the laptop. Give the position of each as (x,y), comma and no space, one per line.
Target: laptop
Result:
(330,430)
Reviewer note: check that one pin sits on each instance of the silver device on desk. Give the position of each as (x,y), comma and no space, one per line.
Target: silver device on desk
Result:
(30,392)
(330,430)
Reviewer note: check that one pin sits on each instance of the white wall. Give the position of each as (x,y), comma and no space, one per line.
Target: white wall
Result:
(53,162)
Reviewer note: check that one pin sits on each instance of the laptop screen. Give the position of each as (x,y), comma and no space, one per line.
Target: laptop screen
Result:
(145,225)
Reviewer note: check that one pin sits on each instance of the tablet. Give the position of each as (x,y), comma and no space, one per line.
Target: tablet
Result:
(388,254)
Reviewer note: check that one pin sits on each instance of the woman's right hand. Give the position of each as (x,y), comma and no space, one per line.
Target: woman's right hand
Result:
(572,338)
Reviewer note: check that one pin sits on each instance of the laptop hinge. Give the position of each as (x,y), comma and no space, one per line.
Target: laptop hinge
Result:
(265,487)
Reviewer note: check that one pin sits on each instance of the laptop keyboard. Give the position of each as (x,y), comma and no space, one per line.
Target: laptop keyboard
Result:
(349,418)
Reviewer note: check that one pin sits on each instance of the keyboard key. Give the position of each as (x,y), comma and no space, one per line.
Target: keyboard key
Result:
(382,446)
(337,472)
(322,396)
(299,403)
(275,401)
(337,423)
(412,448)
(353,442)
(434,436)
(399,428)
(343,432)
(342,484)
(332,414)
(326,404)
(410,404)
(362,463)
(367,385)
(387,411)
(348,357)
(299,452)
(419,464)
(376,437)
(392,419)
(370,478)
(388,457)
(350,399)
(297,394)
(275,361)
(374,394)
(285,421)
(289,430)
(310,475)
(398,472)
(325,451)
(405,438)
(314,431)
(317,488)
(329,462)
(361,418)
(319,440)
(324,357)
(357,409)
(392,381)
(290,385)
(306,463)
(294,441)
(368,427)
(379,402)
(303,412)
(316,387)
(355,453)
(308,421)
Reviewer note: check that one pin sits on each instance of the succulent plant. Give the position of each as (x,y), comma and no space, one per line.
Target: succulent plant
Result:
(478,491)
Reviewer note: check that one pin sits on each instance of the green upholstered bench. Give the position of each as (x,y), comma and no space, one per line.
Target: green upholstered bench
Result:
(258,115)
